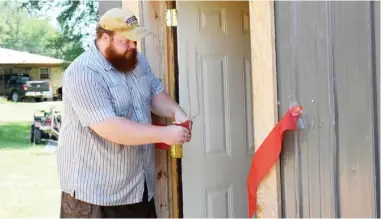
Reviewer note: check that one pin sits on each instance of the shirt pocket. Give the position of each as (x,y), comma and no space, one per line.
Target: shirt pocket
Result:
(144,87)
(122,100)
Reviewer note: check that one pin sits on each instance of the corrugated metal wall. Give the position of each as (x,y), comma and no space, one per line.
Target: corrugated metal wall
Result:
(106,5)
(328,61)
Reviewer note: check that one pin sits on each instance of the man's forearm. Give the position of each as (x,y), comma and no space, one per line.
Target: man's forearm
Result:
(123,131)
(163,105)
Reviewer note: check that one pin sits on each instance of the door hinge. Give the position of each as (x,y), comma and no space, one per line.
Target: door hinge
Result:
(172,17)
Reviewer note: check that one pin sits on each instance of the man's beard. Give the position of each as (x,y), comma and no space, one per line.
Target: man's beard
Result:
(121,62)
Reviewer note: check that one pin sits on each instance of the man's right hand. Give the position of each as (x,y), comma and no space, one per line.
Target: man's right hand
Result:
(174,134)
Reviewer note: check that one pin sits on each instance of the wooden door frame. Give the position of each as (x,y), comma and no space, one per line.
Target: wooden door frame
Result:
(170,80)
(173,90)
(152,15)
(265,107)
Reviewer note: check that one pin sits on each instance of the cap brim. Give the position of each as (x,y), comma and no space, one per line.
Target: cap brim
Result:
(136,34)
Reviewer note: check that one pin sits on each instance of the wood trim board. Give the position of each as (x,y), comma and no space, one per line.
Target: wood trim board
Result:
(263,57)
(158,48)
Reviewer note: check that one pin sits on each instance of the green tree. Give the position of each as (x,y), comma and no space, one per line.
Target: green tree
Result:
(20,31)
(74,19)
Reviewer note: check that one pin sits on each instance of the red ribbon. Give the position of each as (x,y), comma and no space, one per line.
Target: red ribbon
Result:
(268,153)
(164,146)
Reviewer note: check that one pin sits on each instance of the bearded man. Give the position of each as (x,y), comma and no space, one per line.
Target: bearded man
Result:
(106,156)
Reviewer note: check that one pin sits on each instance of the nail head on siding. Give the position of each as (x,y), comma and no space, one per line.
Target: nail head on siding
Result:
(312,124)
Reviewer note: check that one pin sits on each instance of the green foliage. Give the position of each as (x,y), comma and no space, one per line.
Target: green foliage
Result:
(20,31)
(74,19)
(25,26)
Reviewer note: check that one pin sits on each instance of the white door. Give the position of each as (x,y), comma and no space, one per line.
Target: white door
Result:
(214,66)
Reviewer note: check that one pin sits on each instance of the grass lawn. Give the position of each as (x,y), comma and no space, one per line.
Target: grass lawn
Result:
(4,100)
(23,111)
(28,176)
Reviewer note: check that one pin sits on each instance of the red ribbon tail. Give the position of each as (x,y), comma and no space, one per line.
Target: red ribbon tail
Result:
(266,155)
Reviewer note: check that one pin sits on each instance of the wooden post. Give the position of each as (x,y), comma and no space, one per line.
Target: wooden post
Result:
(265,98)
(152,15)
(135,7)
(171,82)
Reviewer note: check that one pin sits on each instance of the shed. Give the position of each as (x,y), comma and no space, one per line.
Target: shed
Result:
(242,63)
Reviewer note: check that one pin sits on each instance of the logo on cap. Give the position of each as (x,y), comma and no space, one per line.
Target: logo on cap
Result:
(132,21)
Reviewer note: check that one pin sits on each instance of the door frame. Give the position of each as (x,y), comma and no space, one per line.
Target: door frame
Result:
(173,91)
(265,100)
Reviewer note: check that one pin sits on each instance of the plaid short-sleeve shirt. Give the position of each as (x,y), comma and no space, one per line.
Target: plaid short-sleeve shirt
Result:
(96,170)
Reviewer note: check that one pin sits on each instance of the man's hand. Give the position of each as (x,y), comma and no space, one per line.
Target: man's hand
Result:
(164,106)
(180,116)
(174,134)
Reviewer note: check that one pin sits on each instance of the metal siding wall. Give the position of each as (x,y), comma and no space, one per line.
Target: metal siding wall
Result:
(376,16)
(106,5)
(377,46)
(325,62)
(354,80)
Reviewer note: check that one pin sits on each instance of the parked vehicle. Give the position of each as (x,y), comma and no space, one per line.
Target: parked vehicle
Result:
(46,125)
(19,86)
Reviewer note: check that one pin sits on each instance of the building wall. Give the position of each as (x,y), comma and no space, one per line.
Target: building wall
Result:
(328,61)
(106,5)
(55,76)
(55,73)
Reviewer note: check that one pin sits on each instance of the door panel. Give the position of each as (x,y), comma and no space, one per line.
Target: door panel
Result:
(215,68)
